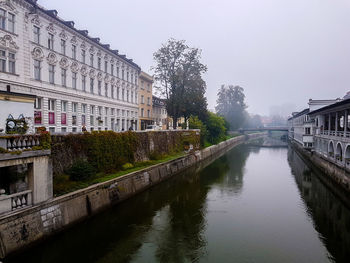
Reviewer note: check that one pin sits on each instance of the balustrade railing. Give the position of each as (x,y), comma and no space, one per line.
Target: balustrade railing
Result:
(20,200)
(15,201)
(19,142)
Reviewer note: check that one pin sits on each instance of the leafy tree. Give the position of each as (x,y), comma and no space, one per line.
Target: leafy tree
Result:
(216,128)
(195,123)
(178,70)
(231,105)
(195,102)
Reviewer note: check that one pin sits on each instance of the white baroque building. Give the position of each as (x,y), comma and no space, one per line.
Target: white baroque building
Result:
(78,80)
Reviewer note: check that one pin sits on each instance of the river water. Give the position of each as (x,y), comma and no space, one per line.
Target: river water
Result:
(251,205)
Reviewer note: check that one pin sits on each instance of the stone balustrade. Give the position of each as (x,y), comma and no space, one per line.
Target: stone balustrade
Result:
(19,142)
(15,201)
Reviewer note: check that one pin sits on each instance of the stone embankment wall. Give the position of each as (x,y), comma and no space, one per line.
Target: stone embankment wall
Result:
(118,148)
(334,173)
(33,224)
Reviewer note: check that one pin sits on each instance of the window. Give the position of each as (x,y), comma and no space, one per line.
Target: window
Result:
(112,69)
(63,46)
(142,112)
(127,76)
(74,107)
(64,77)
(74,52)
(83,108)
(112,92)
(123,98)
(117,93)
(2,19)
(99,63)
(106,111)
(64,112)
(51,106)
(11,23)
(132,97)
(83,83)
(123,74)
(91,60)
(148,101)
(148,113)
(99,110)
(127,96)
(12,63)
(52,74)
(83,55)
(37,69)
(118,72)
(64,106)
(50,41)
(37,103)
(36,31)
(2,61)
(106,66)
(142,99)
(112,111)
(91,85)
(99,84)
(142,84)
(106,89)
(92,109)
(148,87)
(74,80)
(307,130)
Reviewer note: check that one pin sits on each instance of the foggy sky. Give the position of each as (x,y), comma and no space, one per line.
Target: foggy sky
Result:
(282,52)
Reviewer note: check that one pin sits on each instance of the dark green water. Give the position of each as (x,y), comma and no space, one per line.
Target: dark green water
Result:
(251,205)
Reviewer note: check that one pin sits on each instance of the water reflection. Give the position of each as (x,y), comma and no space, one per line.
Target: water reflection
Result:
(242,207)
(330,216)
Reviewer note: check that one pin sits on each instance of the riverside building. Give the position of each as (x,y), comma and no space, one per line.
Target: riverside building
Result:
(301,126)
(77,80)
(145,100)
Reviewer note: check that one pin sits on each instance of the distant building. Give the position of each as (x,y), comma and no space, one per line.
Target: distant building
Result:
(77,80)
(160,116)
(301,127)
(145,100)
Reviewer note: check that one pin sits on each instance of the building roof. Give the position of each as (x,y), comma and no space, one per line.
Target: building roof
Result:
(329,107)
(303,112)
(83,33)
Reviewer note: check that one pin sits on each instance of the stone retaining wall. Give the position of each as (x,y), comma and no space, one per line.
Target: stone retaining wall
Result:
(18,230)
(334,173)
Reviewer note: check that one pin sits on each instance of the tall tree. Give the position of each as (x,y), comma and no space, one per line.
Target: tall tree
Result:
(178,66)
(231,105)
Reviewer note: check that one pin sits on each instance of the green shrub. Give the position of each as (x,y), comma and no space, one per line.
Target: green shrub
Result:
(81,170)
(127,166)
(196,123)
(216,128)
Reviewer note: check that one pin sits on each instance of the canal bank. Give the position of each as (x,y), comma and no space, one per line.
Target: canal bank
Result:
(26,227)
(252,204)
(334,176)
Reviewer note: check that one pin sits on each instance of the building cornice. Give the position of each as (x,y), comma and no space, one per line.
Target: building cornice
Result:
(69,26)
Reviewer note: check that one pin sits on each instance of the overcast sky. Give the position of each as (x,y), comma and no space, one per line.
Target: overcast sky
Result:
(282,52)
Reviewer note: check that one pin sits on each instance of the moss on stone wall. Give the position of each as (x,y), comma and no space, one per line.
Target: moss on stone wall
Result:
(107,151)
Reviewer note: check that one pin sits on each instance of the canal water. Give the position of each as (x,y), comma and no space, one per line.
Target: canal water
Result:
(253,204)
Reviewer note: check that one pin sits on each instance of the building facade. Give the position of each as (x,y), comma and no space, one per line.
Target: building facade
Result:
(160,116)
(145,100)
(332,132)
(78,81)
(301,126)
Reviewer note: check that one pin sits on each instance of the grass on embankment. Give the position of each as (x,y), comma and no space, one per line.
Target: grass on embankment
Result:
(63,185)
